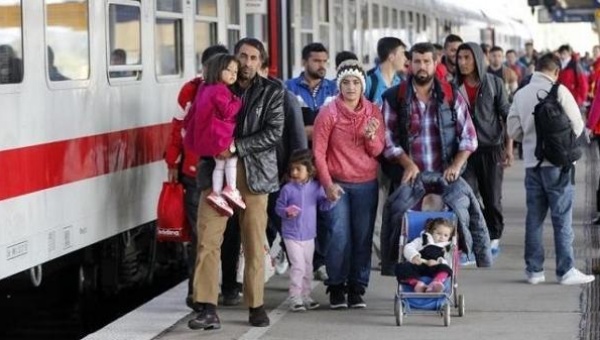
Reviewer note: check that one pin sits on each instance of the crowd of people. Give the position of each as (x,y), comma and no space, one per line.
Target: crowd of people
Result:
(332,165)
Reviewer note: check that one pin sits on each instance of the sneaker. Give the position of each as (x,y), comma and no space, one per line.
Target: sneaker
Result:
(231,298)
(258,317)
(296,304)
(320,274)
(219,203)
(337,297)
(206,319)
(466,260)
(535,278)
(234,197)
(281,263)
(575,277)
(596,221)
(356,301)
(435,287)
(310,303)
(495,247)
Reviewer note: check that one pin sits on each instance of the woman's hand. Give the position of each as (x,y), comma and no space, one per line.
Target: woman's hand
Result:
(416,260)
(371,128)
(334,192)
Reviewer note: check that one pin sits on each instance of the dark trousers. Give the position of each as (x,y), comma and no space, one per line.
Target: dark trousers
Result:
(273,220)
(485,174)
(322,240)
(230,255)
(190,199)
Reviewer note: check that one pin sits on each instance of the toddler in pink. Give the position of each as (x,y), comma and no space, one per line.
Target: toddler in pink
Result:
(215,110)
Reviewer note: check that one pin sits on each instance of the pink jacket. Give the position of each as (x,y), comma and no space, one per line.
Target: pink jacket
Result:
(342,152)
(211,127)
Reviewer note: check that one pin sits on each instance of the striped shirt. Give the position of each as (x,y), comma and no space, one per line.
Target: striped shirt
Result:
(424,133)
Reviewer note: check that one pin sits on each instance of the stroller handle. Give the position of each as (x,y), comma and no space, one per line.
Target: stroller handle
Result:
(431,177)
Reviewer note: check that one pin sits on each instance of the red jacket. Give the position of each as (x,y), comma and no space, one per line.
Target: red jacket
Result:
(575,80)
(176,152)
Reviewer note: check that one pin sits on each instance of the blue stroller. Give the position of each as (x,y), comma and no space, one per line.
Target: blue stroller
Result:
(406,300)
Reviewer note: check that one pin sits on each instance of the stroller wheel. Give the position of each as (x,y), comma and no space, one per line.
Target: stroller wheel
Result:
(461,305)
(446,314)
(398,311)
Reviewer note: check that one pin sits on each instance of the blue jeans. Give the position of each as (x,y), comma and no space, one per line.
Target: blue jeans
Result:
(348,258)
(549,187)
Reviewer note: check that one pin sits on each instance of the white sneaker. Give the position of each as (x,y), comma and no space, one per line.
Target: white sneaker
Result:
(535,278)
(320,274)
(296,304)
(309,303)
(575,277)
(281,263)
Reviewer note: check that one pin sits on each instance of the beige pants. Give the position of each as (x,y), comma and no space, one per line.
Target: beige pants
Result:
(211,225)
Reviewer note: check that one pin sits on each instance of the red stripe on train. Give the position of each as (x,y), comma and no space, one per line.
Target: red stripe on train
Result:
(44,166)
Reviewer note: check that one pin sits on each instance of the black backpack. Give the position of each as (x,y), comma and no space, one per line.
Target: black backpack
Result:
(556,141)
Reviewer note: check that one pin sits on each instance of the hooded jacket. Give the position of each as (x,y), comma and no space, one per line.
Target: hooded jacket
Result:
(491,106)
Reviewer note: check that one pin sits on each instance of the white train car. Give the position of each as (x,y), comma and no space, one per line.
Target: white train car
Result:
(88,89)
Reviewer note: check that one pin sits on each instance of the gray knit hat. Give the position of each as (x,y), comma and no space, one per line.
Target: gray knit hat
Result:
(354,68)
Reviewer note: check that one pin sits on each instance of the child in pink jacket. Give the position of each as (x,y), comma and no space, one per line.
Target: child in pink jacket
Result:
(215,110)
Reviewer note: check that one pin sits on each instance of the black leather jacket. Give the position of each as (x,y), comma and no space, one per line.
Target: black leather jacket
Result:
(258,131)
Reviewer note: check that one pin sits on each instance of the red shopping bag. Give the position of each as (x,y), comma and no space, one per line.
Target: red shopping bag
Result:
(172,225)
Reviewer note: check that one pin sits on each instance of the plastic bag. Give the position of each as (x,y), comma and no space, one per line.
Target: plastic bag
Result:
(172,225)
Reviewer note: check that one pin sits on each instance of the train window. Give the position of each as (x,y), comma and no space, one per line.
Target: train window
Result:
(234,12)
(418,22)
(323,11)
(233,25)
(352,37)
(424,22)
(402,19)
(205,29)
(385,12)
(257,27)
(206,8)
(67,39)
(364,16)
(124,41)
(205,35)
(168,5)
(168,48)
(394,19)
(375,22)
(11,37)
(307,14)
(338,21)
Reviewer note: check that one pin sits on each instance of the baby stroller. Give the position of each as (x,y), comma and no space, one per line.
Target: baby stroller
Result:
(406,300)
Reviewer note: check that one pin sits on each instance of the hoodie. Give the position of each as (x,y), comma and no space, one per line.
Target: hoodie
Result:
(491,105)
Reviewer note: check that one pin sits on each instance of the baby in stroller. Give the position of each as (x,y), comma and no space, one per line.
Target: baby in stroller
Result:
(426,256)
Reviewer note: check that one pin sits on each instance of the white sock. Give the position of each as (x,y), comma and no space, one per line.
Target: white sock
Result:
(231,172)
(217,177)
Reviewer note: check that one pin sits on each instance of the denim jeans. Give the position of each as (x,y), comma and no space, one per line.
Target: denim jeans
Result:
(549,187)
(348,258)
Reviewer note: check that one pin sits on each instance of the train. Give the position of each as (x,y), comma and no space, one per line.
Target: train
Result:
(88,89)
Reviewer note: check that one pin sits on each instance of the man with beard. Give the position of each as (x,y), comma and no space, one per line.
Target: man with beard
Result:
(415,141)
(488,104)
(313,91)
(258,131)
(447,68)
(310,87)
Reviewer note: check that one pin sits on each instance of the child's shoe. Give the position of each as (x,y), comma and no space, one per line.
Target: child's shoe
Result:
(420,287)
(296,304)
(219,203)
(234,197)
(435,287)
(309,303)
